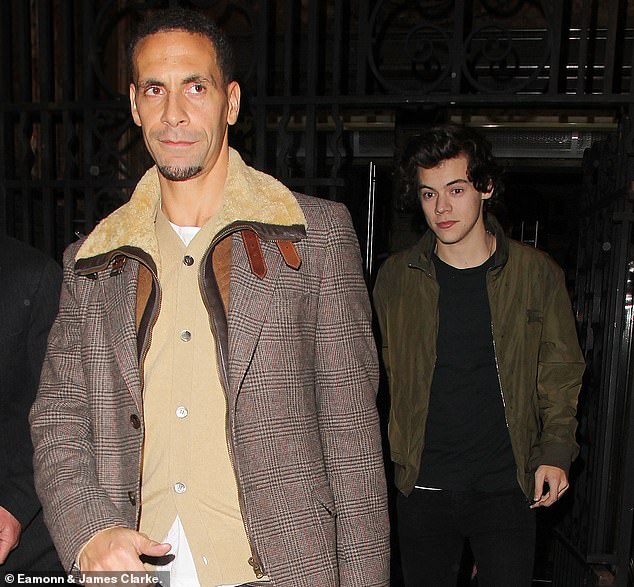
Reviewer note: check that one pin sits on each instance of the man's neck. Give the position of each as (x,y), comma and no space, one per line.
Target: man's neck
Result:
(194,201)
(468,253)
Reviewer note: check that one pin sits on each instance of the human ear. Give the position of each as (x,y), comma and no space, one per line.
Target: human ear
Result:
(489,192)
(233,97)
(133,108)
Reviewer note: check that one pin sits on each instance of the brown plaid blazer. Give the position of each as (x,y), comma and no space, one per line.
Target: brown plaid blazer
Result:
(300,368)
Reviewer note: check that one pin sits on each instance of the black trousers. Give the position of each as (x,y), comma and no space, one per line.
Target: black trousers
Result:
(432,527)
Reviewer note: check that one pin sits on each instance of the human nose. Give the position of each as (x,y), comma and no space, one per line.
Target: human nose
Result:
(443,204)
(173,112)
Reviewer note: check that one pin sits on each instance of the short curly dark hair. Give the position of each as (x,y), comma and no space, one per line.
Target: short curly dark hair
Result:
(446,141)
(189,21)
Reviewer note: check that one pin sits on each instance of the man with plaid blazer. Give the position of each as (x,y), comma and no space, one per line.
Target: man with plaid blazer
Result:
(268,280)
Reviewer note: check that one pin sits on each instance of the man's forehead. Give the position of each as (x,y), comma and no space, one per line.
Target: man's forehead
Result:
(160,52)
(446,171)
(176,38)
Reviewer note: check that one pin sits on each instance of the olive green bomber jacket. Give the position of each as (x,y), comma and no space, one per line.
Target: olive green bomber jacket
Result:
(539,361)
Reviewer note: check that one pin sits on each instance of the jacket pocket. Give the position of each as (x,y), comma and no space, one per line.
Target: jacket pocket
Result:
(323,496)
(397,458)
(533,316)
(325,529)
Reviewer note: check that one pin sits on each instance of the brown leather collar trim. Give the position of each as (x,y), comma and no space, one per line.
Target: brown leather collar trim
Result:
(289,253)
(254,252)
(86,266)
(256,258)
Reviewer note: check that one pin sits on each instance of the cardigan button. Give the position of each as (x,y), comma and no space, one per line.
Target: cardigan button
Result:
(135,421)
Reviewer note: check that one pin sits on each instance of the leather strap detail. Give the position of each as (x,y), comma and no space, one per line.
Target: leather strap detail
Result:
(118,264)
(254,252)
(143,291)
(289,253)
(221,259)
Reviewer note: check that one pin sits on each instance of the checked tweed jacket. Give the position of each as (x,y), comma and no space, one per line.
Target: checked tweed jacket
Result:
(298,365)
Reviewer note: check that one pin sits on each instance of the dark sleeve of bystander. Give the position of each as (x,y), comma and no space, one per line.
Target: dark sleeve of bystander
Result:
(29,296)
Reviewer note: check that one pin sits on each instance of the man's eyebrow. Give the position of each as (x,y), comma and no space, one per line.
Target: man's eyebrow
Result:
(452,182)
(197,78)
(146,83)
(194,78)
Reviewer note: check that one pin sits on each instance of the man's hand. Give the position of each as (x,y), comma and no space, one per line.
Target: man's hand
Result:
(9,533)
(119,549)
(557,483)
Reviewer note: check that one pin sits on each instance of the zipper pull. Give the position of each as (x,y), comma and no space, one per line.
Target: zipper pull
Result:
(257,568)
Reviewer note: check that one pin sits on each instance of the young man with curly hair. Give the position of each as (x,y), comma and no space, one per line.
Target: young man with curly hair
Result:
(484,367)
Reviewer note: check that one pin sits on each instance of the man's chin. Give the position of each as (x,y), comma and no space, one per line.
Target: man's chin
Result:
(179,173)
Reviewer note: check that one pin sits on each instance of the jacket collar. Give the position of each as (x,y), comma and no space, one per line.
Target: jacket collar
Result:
(421,253)
(251,198)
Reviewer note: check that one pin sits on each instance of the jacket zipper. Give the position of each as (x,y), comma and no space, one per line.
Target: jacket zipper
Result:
(254,561)
(495,354)
(144,351)
(220,365)
(155,313)
(497,370)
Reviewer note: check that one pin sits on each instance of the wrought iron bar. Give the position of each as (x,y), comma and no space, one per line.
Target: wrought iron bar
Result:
(314,49)
(558,42)
(613,47)
(262,74)
(369,243)
(588,7)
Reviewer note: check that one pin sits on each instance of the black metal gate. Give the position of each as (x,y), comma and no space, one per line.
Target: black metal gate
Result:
(595,546)
(325,84)
(322,80)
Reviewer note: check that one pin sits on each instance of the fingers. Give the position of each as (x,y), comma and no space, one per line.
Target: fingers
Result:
(4,551)
(9,533)
(539,485)
(557,481)
(6,546)
(118,549)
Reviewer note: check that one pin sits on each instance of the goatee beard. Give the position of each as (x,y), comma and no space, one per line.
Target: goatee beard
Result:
(179,173)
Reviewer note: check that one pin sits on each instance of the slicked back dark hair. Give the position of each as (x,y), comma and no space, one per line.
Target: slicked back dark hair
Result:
(189,21)
(447,141)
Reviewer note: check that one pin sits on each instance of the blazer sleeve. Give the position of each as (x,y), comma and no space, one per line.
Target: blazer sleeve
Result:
(346,388)
(74,503)
(39,293)
(559,376)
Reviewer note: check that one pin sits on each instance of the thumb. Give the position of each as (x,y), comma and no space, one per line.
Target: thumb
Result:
(152,548)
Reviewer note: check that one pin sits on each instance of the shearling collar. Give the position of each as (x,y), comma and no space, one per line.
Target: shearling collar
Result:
(250,196)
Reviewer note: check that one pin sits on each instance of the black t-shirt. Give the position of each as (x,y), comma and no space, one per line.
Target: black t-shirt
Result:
(467,444)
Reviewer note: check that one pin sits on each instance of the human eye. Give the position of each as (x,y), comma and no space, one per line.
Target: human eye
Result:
(153,90)
(196,88)
(457,191)
(426,194)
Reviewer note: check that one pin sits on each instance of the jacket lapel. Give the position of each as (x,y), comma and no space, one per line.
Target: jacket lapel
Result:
(250,299)
(120,298)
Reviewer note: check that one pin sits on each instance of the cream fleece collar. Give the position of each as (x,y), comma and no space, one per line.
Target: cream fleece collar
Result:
(250,196)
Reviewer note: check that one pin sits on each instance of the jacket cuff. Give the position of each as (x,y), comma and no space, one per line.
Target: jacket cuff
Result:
(556,455)
(81,550)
